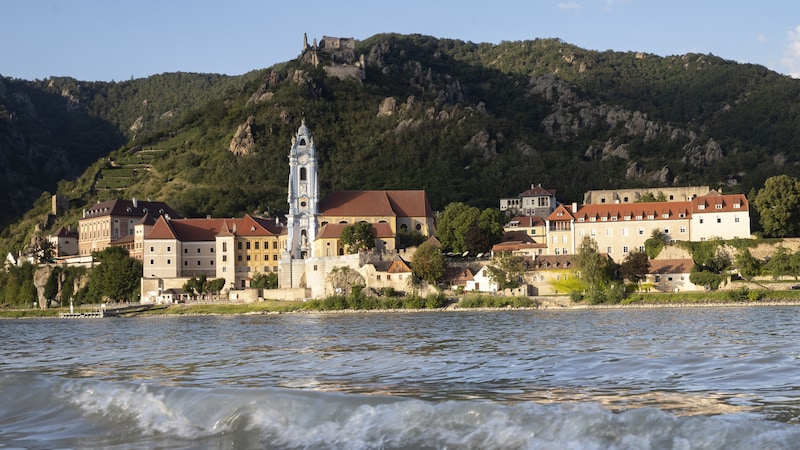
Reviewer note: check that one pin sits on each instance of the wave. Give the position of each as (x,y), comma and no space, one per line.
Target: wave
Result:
(47,411)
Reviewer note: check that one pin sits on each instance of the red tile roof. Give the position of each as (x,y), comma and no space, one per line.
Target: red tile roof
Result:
(196,230)
(376,203)
(538,191)
(665,266)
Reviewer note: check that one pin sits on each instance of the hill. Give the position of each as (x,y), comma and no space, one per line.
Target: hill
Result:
(464,121)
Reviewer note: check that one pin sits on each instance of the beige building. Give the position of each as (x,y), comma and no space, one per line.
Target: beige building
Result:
(64,242)
(113,222)
(621,228)
(670,194)
(234,249)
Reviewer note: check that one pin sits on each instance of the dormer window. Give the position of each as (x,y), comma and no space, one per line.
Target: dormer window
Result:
(737,205)
(719,205)
(701,206)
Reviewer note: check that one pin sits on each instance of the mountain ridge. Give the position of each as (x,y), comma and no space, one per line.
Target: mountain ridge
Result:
(467,122)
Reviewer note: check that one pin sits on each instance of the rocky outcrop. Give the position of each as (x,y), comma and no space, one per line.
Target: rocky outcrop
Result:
(387,107)
(40,278)
(243,142)
(702,155)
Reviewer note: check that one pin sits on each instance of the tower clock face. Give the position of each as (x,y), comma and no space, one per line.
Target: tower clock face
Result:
(303,159)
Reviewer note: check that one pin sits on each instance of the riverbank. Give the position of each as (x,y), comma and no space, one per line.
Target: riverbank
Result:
(298,307)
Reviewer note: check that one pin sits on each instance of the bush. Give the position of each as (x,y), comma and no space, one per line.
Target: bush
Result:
(436,301)
(413,302)
(754,296)
(739,295)
(596,297)
(575,296)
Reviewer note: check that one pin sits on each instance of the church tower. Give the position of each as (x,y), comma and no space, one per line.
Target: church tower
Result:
(303,195)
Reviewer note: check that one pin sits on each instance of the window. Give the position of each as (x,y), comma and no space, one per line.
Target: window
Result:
(719,205)
(719,219)
(152,249)
(683,230)
(198,249)
(198,263)
(624,231)
(737,205)
(169,261)
(736,219)
(666,230)
(169,249)
(239,245)
(608,250)
(581,232)
(248,245)
(224,258)
(302,174)
(608,232)
(186,250)
(266,257)
(274,245)
(592,232)
(701,206)
(224,246)
(701,220)
(239,257)
(564,251)
(641,231)
(564,239)
(152,262)
(625,249)
(186,263)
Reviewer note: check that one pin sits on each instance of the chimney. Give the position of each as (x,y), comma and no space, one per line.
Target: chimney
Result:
(135,203)
(574,207)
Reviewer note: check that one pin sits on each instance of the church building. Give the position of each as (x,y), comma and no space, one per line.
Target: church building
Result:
(314,224)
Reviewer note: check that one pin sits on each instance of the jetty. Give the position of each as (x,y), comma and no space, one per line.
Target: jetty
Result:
(108,312)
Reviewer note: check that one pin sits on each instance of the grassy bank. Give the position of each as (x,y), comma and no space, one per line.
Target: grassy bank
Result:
(739,297)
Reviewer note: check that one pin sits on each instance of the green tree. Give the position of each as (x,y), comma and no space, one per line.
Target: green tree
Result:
(195,286)
(453,225)
(635,267)
(593,266)
(747,265)
(654,244)
(264,281)
(711,265)
(216,285)
(357,237)
(428,263)
(117,276)
(507,270)
(778,205)
(780,264)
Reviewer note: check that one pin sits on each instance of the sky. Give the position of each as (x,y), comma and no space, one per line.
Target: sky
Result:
(105,40)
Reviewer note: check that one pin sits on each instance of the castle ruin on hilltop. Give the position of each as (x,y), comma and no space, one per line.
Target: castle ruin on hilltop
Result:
(337,56)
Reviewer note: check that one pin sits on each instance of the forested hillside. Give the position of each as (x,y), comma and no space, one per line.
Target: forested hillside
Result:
(466,122)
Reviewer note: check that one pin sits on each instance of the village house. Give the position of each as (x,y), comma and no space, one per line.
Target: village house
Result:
(535,201)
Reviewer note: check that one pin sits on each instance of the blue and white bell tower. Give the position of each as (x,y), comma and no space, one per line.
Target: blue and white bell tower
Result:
(303,195)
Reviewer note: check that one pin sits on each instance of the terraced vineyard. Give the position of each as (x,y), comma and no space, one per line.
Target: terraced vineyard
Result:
(125,171)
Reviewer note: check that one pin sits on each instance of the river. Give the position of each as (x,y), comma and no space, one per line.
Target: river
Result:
(662,378)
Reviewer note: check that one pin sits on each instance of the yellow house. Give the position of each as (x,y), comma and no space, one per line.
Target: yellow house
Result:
(388,211)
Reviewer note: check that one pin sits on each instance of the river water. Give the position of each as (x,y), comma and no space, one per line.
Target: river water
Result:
(664,378)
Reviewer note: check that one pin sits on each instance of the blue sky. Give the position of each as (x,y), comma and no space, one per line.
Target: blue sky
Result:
(118,39)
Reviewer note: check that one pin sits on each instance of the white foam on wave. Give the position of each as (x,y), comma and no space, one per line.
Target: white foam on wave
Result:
(283,418)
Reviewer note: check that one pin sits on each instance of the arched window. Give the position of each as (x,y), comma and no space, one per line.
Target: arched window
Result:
(302,174)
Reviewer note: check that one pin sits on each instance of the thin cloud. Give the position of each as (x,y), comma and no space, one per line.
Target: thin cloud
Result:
(791,53)
(570,6)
